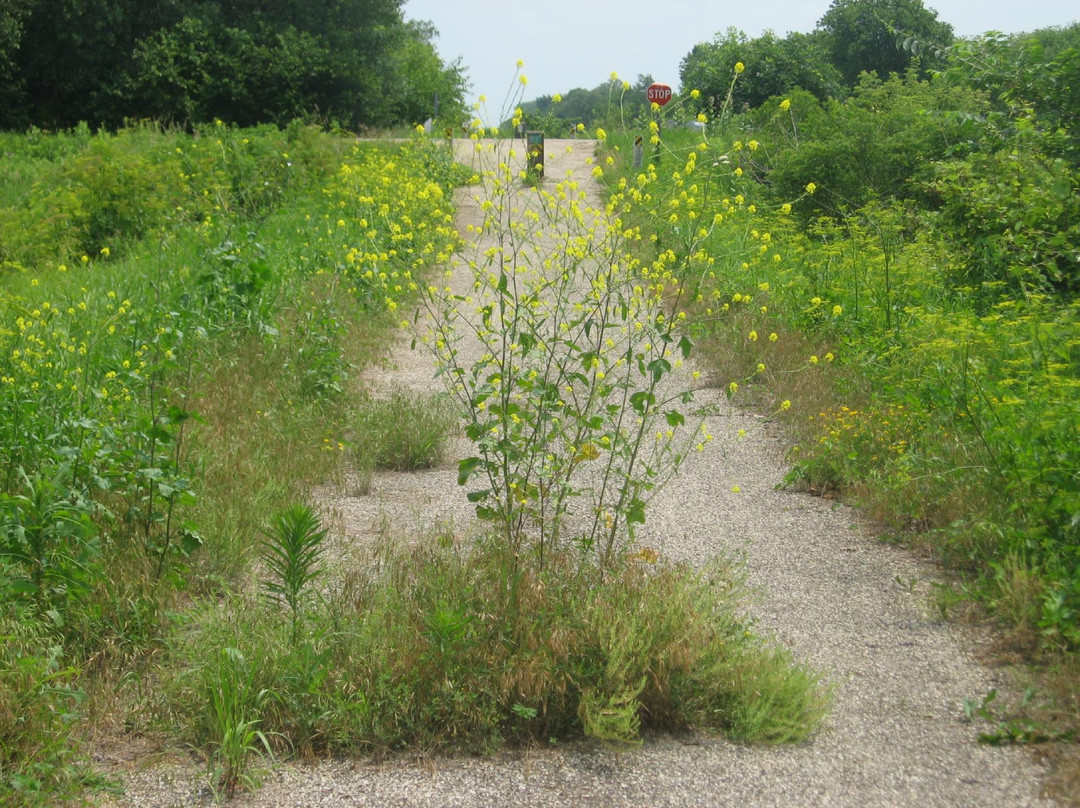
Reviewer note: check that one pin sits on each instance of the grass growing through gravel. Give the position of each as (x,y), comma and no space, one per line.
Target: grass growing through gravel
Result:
(401,431)
(427,649)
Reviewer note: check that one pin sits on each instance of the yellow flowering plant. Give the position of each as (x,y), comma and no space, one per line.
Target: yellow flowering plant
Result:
(567,394)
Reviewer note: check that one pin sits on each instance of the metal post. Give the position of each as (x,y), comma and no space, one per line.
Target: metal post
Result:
(659,131)
(535,153)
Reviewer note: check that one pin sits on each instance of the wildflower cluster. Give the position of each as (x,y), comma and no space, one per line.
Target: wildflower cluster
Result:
(94,369)
(560,347)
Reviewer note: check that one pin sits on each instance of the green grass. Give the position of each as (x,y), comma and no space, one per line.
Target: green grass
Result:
(460,647)
(401,431)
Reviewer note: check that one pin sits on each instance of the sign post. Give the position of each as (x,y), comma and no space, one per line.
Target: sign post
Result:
(534,153)
(658,94)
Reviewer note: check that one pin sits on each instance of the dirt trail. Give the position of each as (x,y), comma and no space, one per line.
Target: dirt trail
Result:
(841,600)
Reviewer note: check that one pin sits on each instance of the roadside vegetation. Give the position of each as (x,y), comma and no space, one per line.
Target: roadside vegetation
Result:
(184,318)
(886,261)
(895,277)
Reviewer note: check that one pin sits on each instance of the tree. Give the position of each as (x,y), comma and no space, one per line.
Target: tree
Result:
(1033,81)
(72,53)
(420,77)
(774,66)
(12,18)
(861,35)
(244,61)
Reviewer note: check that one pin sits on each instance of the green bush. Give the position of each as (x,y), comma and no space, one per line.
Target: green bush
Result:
(879,144)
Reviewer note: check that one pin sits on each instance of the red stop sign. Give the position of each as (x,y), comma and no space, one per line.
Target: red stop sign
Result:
(658,94)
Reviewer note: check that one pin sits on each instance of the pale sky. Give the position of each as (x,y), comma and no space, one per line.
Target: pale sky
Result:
(578,43)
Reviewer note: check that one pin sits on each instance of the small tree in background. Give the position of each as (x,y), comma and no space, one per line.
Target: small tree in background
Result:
(861,34)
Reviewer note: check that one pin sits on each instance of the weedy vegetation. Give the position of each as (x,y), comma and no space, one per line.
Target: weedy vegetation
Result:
(179,368)
(183,318)
(900,289)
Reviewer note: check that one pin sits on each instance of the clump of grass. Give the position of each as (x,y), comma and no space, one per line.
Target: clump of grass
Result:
(403,431)
(429,649)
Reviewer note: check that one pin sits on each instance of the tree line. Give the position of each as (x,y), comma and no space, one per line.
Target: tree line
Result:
(356,63)
(852,38)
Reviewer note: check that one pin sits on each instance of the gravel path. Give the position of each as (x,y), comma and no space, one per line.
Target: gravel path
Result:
(827,589)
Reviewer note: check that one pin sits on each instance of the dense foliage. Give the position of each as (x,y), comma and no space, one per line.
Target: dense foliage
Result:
(860,34)
(356,62)
(774,66)
(925,241)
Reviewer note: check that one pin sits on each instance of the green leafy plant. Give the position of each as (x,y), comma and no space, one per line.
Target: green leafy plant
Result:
(234,722)
(292,550)
(49,535)
(570,403)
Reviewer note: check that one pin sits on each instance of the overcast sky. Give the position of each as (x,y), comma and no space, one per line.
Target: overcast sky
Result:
(578,43)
